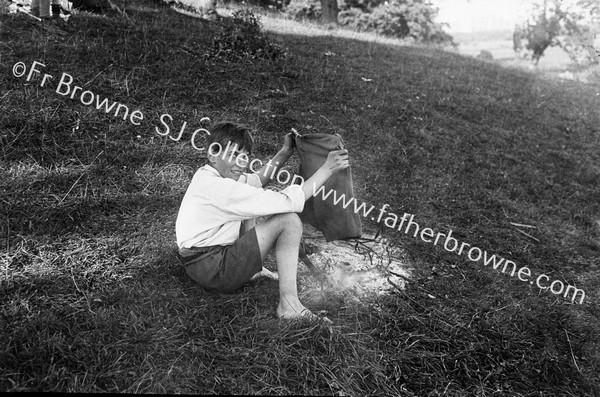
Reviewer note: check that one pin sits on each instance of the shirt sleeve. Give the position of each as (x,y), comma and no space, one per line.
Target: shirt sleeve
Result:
(241,201)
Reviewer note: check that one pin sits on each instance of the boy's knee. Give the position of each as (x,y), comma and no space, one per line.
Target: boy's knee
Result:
(291,220)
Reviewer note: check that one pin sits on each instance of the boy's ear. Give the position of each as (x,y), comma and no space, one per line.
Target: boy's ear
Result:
(211,158)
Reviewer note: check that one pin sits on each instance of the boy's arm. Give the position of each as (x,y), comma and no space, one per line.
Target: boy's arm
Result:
(336,161)
(240,201)
(272,167)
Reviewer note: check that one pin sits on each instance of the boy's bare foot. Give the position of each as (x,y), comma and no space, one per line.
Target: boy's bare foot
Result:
(298,313)
(265,273)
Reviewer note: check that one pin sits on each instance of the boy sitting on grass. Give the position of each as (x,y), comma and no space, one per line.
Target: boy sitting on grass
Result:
(218,242)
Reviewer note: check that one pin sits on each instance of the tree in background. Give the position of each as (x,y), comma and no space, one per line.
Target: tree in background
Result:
(570,24)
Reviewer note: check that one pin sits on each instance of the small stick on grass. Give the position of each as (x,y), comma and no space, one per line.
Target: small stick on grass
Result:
(572,355)
(31,15)
(528,235)
(522,225)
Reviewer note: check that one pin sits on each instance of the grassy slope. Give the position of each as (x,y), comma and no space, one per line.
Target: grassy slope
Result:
(94,300)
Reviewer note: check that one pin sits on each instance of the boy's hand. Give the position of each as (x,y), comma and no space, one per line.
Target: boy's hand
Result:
(337,160)
(289,144)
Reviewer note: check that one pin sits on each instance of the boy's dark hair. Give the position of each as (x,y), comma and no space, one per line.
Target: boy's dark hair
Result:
(228,131)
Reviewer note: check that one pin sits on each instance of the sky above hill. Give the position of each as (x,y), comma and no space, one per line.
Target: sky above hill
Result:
(481,15)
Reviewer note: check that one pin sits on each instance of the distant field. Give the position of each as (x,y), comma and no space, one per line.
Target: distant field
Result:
(555,61)
(500,44)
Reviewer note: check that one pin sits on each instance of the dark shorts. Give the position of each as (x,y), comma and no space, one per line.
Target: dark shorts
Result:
(224,268)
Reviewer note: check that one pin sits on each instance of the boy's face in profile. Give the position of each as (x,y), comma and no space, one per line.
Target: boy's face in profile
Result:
(230,162)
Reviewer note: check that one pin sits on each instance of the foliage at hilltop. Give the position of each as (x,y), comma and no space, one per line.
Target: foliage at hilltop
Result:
(412,19)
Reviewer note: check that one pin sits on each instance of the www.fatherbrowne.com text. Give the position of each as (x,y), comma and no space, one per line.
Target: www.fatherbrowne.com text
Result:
(451,244)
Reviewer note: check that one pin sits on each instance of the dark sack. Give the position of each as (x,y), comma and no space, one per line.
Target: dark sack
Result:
(335,221)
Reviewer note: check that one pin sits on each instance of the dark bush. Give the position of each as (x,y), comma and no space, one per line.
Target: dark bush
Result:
(241,37)
(277,4)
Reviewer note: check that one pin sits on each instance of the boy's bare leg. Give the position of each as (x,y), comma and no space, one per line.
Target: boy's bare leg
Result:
(284,231)
(247,225)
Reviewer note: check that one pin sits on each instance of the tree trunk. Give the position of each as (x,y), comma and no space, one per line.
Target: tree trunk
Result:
(329,11)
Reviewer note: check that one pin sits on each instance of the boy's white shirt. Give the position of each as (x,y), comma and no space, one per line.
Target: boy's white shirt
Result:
(213,207)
